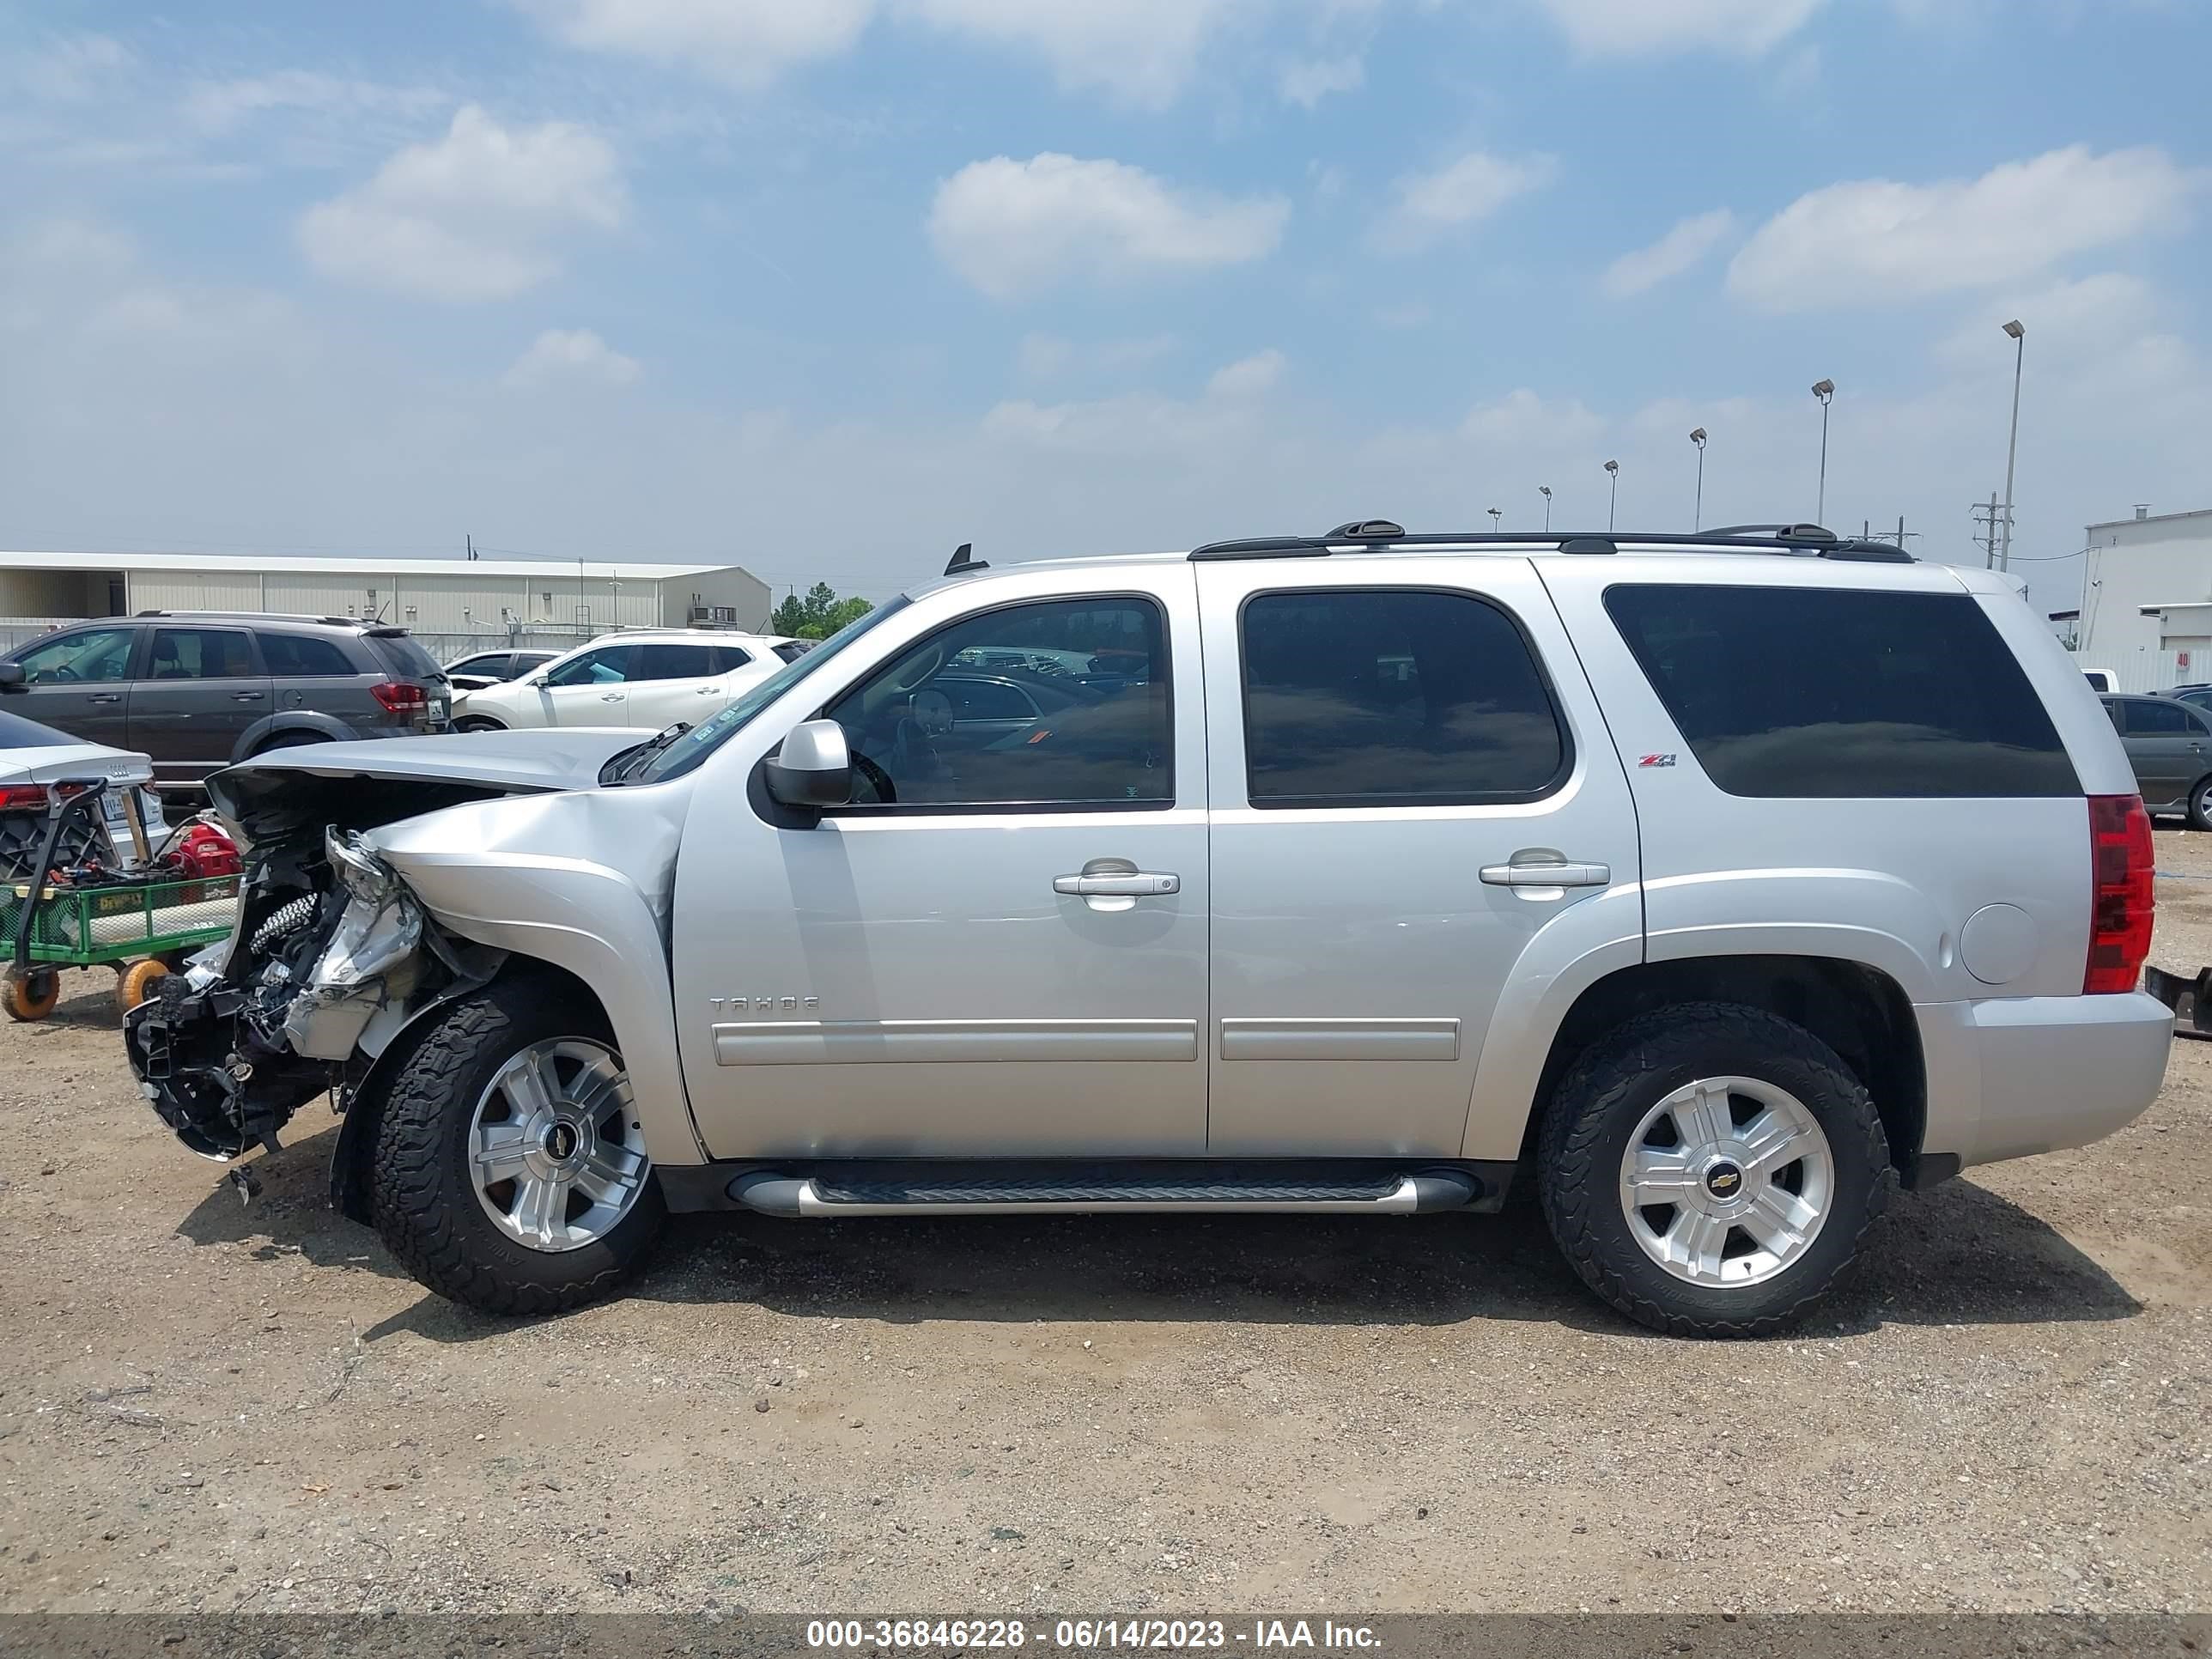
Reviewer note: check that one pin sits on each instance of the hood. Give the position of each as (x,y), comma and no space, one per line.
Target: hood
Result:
(361,784)
(49,762)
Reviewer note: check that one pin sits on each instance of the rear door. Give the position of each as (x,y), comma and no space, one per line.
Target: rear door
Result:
(198,689)
(1409,784)
(309,672)
(77,681)
(672,682)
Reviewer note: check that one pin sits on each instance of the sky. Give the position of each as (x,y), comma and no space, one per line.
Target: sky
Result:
(826,286)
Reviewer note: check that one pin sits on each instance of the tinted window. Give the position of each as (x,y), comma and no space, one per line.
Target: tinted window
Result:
(911,749)
(493,663)
(1393,698)
(723,657)
(793,650)
(604,666)
(2149,717)
(1829,693)
(199,653)
(16,732)
(299,654)
(95,654)
(673,662)
(404,656)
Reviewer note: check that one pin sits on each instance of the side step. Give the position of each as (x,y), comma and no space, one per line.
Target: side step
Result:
(880,1192)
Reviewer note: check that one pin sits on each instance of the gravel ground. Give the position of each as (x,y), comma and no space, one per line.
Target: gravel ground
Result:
(205,1406)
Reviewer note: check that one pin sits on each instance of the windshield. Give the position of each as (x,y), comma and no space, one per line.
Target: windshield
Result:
(702,739)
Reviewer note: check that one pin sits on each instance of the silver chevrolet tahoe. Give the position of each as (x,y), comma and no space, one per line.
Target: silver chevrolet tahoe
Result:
(1711,884)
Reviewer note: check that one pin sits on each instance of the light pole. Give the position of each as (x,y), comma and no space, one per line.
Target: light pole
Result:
(1698,517)
(1825,391)
(1613,472)
(1495,515)
(2012,446)
(1544,490)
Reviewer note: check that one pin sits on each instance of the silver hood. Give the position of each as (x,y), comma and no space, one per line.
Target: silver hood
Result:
(400,777)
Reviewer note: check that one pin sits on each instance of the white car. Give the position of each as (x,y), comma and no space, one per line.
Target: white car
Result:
(646,679)
(35,757)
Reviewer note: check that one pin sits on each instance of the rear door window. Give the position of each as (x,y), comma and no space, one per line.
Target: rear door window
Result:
(300,656)
(673,662)
(2153,717)
(1393,697)
(201,654)
(1833,693)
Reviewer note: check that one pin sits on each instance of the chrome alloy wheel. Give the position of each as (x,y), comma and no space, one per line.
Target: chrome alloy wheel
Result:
(556,1151)
(1727,1181)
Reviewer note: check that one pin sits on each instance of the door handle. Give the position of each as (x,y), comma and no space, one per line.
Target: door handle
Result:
(1141,884)
(1548,875)
(710,690)
(105,696)
(610,696)
(246,696)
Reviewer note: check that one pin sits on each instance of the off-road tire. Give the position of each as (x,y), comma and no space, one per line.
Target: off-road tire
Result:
(1604,1095)
(426,1206)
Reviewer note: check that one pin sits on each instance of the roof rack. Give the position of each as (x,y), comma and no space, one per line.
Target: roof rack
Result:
(1374,535)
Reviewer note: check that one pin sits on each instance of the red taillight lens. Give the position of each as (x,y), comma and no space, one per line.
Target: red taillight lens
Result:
(2120,900)
(17,797)
(401,698)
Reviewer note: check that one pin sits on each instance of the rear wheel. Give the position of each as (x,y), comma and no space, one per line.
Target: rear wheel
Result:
(2200,804)
(477,723)
(288,741)
(1710,1170)
(509,1169)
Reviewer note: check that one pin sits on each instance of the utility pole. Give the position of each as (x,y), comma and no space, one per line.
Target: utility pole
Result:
(1988,517)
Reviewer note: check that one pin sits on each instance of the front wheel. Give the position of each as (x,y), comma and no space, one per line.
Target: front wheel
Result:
(1712,1169)
(509,1167)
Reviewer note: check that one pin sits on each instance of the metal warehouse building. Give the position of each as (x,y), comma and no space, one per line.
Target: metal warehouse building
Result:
(497,599)
(2146,610)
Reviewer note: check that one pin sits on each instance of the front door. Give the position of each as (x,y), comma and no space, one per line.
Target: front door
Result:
(196,691)
(1410,780)
(590,689)
(78,682)
(2166,746)
(996,951)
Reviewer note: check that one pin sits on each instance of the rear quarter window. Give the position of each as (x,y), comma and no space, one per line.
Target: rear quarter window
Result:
(1832,693)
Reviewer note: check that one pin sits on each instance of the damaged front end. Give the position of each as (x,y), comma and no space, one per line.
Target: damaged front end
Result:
(331,957)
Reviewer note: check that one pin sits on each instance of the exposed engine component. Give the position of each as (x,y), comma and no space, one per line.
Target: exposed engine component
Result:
(288,919)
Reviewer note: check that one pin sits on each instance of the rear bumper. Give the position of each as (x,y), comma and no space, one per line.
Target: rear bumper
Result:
(2014,1076)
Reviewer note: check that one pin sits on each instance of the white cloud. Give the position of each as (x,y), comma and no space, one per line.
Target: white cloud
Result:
(1634,27)
(220,105)
(1874,240)
(1248,377)
(478,215)
(1010,227)
(69,69)
(745,43)
(1139,51)
(1308,81)
(567,354)
(1430,206)
(1679,249)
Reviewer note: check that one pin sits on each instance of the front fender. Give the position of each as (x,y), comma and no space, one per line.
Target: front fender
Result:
(580,880)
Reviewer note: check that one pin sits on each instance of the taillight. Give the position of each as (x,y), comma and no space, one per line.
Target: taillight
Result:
(2120,900)
(401,698)
(36,796)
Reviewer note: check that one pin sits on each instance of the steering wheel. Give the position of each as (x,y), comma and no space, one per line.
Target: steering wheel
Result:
(878,779)
(63,675)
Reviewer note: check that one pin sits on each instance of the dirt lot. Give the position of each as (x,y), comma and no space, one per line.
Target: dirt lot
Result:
(207,1407)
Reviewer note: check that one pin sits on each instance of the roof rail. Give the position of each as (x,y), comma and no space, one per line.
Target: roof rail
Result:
(1376,535)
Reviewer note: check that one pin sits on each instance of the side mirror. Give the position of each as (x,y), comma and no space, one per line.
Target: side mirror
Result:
(11,677)
(814,767)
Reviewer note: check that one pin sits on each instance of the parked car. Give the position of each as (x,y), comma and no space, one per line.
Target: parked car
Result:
(2168,742)
(642,678)
(35,760)
(787,648)
(198,689)
(2100,679)
(482,668)
(1655,872)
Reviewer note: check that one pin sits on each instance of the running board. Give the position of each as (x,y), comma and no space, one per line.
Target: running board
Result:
(1016,1195)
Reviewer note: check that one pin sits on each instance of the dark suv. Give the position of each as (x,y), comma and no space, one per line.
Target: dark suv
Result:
(198,689)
